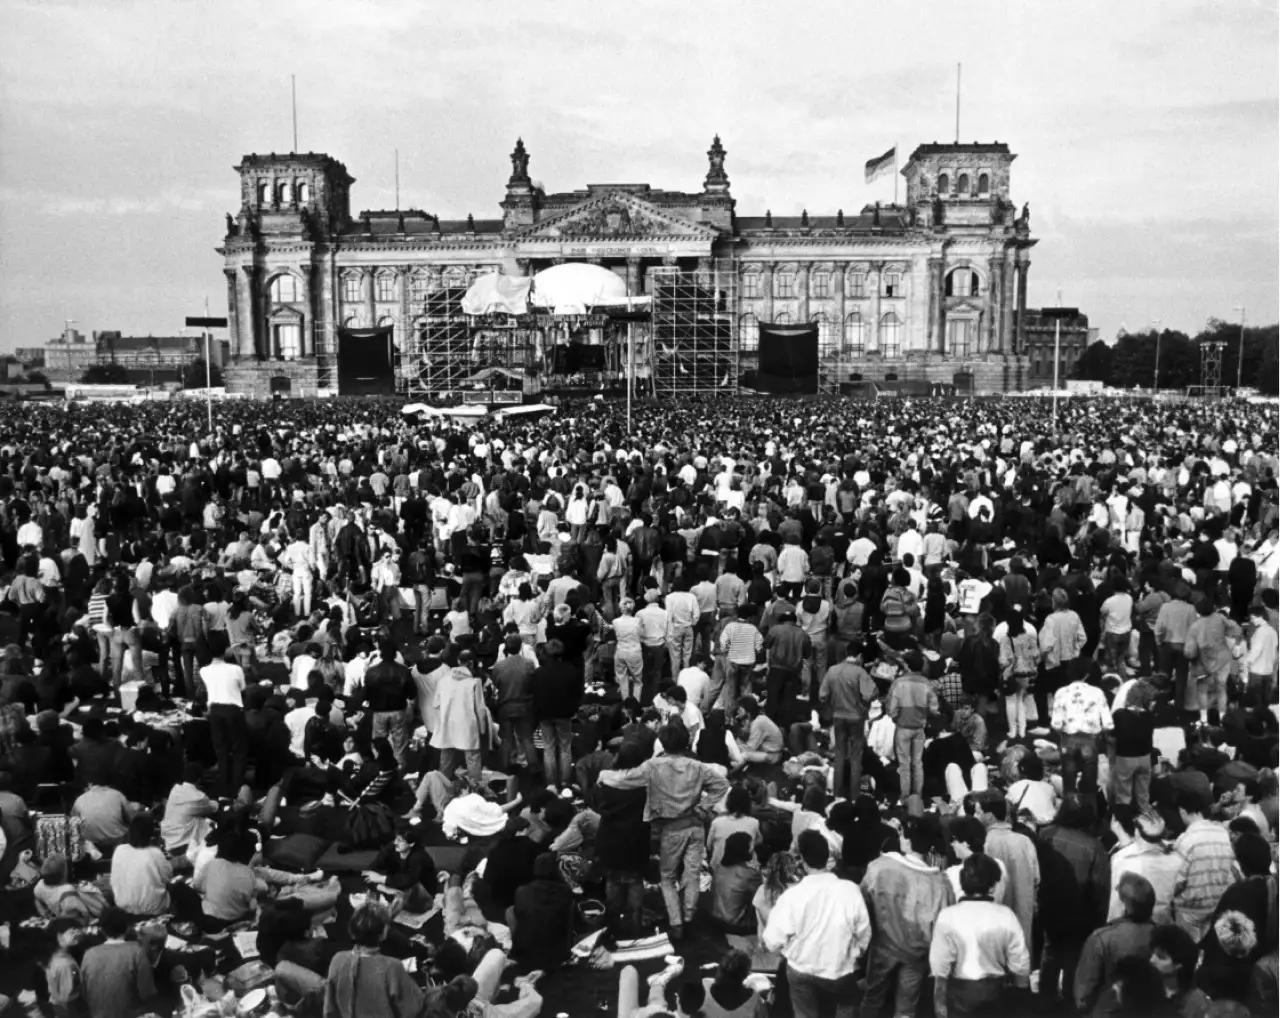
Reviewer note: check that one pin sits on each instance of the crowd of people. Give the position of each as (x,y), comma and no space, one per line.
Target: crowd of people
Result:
(899,707)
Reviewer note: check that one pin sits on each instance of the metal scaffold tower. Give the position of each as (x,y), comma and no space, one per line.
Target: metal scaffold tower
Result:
(436,358)
(1211,366)
(695,332)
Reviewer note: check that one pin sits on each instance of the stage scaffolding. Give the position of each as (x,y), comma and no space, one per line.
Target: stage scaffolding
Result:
(695,330)
(436,357)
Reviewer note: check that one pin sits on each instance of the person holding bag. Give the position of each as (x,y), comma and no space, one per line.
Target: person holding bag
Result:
(1019,661)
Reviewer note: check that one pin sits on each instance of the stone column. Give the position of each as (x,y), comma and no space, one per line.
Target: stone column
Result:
(635,280)
(368,282)
(802,293)
(766,288)
(1021,338)
(247,341)
(306,344)
(991,324)
(233,312)
(404,272)
(837,294)
(704,275)
(938,296)
(524,264)
(873,281)
(1006,305)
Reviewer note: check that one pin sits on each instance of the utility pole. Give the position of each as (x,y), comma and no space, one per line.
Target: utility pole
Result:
(1240,355)
(1155,381)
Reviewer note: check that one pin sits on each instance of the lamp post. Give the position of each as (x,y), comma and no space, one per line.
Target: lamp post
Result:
(1240,354)
(1155,381)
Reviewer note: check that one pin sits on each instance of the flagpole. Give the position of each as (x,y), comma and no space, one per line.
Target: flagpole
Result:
(895,173)
(957,104)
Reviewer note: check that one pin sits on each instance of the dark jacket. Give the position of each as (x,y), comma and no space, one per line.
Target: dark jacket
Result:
(557,691)
(544,923)
(622,841)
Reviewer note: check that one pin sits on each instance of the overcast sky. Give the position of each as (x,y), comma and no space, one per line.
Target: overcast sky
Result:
(1146,132)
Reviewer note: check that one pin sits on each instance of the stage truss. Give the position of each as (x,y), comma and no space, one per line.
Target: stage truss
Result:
(694,331)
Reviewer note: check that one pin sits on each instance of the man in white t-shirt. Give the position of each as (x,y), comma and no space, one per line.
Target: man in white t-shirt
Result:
(224,683)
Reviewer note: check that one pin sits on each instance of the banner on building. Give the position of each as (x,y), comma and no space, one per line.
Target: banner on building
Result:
(788,359)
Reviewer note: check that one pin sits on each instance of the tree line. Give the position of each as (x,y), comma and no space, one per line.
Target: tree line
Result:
(1131,360)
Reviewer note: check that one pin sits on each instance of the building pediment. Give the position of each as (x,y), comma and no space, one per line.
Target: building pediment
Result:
(616,216)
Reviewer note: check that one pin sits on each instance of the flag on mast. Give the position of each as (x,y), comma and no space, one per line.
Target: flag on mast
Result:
(877,168)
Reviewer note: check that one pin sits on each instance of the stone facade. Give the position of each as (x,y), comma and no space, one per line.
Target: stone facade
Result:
(927,289)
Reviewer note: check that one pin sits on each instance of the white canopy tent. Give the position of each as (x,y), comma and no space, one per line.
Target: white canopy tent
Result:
(568,289)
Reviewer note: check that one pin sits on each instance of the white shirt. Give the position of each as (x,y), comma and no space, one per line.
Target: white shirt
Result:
(695,682)
(820,926)
(163,605)
(301,668)
(978,940)
(296,721)
(30,533)
(224,682)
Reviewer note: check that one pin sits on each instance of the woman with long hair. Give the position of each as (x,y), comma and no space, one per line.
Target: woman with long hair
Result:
(1019,661)
(980,663)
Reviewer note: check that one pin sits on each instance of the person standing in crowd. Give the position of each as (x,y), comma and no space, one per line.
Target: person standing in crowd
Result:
(1080,717)
(677,786)
(821,927)
(846,693)
(978,948)
(912,703)
(557,694)
(1208,864)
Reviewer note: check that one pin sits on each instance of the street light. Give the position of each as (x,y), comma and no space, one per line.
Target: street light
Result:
(1240,354)
(1155,382)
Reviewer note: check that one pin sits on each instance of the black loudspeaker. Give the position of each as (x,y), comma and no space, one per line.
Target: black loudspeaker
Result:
(365,366)
(788,359)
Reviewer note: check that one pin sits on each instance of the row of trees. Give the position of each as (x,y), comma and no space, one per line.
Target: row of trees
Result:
(1131,360)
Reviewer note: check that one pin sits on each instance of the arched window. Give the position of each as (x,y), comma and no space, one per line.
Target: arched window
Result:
(386,288)
(264,193)
(854,340)
(890,335)
(962,185)
(304,192)
(351,322)
(962,283)
(784,284)
(826,335)
(751,284)
(984,184)
(856,285)
(944,183)
(782,318)
(284,290)
(351,289)
(820,284)
(418,286)
(284,192)
(748,333)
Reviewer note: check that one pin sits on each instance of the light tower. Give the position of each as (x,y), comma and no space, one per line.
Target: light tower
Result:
(1211,366)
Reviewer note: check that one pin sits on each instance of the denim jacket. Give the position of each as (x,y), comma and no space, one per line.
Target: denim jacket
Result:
(676,784)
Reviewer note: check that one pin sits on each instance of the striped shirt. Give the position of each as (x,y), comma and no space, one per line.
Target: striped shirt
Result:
(741,642)
(98,610)
(1208,869)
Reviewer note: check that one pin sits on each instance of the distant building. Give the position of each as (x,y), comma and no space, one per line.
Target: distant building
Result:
(147,352)
(30,356)
(1073,340)
(67,356)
